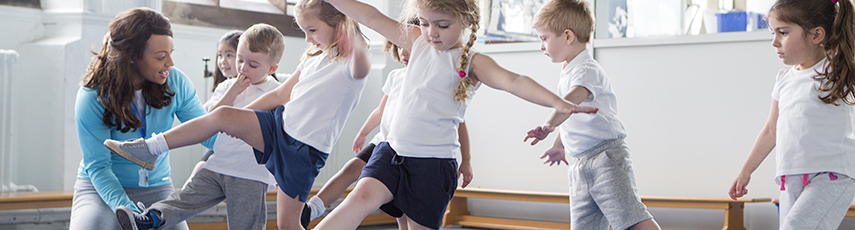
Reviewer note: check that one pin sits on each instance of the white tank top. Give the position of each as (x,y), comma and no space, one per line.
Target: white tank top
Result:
(426,115)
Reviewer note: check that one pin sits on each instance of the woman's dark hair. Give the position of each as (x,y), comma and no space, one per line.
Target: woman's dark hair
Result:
(112,71)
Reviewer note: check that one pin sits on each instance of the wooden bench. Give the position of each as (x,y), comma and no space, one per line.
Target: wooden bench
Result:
(458,212)
(61,199)
(850,213)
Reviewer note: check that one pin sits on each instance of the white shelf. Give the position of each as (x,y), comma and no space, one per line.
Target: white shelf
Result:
(761,35)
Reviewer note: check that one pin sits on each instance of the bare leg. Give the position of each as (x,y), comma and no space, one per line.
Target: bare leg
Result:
(648,224)
(236,122)
(369,194)
(288,211)
(336,186)
(412,225)
(402,222)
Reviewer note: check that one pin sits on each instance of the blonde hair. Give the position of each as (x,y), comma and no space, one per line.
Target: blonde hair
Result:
(559,15)
(391,47)
(346,29)
(468,14)
(264,38)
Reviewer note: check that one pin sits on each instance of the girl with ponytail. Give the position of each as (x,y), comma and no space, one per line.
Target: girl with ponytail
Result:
(414,170)
(810,123)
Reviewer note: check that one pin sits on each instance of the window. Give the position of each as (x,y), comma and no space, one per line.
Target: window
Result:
(233,14)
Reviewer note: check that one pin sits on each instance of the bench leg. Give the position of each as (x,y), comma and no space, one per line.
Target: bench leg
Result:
(733,216)
(458,206)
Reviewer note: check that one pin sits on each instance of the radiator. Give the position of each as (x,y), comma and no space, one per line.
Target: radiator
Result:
(7,159)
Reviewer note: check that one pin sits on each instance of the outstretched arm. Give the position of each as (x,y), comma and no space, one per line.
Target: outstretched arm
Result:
(465,168)
(370,123)
(372,18)
(576,95)
(276,97)
(487,71)
(763,145)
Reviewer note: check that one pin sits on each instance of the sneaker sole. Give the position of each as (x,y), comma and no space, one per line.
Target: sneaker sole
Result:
(127,156)
(125,220)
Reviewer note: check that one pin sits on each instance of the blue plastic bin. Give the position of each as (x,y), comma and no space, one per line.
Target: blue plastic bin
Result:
(732,21)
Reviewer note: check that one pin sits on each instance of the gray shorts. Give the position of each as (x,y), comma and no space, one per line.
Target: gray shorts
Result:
(603,190)
(815,201)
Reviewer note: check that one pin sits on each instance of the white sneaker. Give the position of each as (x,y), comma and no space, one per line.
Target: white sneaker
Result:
(133,150)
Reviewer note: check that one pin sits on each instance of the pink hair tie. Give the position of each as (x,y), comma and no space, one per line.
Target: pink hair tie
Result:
(462,74)
(834,1)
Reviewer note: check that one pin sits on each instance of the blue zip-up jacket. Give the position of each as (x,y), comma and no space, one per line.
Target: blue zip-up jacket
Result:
(109,172)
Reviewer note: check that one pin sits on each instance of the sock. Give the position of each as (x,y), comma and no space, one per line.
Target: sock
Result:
(157,144)
(317,206)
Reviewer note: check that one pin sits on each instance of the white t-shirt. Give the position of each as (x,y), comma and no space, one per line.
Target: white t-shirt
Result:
(426,115)
(811,136)
(392,88)
(321,101)
(583,131)
(232,156)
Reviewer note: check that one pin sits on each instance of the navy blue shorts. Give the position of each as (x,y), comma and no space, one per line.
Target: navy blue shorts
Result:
(365,153)
(294,164)
(421,187)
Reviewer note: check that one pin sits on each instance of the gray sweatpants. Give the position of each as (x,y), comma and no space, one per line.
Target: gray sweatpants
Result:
(246,207)
(89,212)
(821,204)
(603,189)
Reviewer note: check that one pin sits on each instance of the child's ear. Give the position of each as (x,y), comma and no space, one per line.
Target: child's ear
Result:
(273,68)
(569,36)
(818,35)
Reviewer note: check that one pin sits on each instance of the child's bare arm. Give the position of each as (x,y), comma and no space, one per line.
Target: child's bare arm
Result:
(465,168)
(370,123)
(361,61)
(576,95)
(487,71)
(276,97)
(763,145)
(372,18)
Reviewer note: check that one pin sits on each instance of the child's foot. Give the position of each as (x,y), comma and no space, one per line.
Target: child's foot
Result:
(131,220)
(304,218)
(133,150)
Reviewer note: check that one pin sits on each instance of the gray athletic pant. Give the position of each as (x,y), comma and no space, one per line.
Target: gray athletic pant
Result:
(246,207)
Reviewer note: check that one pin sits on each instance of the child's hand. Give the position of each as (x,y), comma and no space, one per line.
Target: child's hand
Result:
(554,155)
(465,171)
(241,83)
(739,187)
(539,133)
(570,108)
(358,143)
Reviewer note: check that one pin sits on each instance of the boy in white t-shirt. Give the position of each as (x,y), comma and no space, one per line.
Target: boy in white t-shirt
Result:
(603,190)
(232,173)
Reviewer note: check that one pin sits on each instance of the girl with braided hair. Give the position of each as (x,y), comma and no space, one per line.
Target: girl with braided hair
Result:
(414,169)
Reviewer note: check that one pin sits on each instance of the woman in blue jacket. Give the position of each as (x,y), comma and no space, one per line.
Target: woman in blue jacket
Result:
(130,91)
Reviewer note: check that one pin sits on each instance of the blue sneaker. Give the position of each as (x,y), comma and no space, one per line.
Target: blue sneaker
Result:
(133,150)
(131,220)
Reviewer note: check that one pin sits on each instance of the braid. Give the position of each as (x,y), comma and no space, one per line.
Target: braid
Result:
(462,90)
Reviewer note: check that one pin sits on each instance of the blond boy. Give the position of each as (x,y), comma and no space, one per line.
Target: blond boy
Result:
(232,173)
(603,190)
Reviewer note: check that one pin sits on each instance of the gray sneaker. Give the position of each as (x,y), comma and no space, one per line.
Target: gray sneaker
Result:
(133,150)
